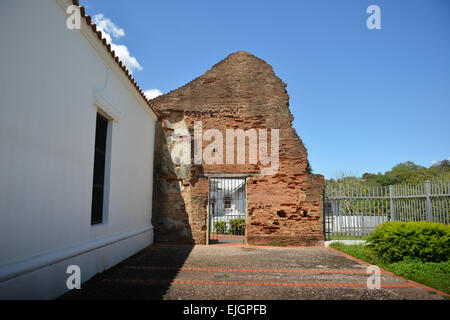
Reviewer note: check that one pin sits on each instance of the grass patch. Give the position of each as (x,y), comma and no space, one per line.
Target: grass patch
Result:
(355,250)
(432,274)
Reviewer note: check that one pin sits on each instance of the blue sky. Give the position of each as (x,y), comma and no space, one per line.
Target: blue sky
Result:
(363,100)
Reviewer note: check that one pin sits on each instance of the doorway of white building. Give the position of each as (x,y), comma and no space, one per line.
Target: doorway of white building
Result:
(227,210)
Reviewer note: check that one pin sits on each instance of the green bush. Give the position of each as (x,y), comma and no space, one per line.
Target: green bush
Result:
(237,226)
(425,241)
(220,227)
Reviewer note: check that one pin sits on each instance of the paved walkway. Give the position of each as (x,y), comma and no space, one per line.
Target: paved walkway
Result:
(243,272)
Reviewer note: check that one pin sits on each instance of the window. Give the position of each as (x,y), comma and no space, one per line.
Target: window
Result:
(98,187)
(227,204)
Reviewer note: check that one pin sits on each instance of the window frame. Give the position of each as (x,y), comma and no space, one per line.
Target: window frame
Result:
(101,170)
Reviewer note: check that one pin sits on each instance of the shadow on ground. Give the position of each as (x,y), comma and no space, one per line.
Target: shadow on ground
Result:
(237,272)
(127,280)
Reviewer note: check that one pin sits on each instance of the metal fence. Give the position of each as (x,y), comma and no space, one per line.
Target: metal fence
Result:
(351,212)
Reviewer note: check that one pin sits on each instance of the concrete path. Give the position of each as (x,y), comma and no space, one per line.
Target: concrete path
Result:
(184,272)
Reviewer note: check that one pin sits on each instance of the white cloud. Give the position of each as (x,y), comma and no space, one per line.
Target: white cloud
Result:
(152,93)
(434,162)
(109,30)
(108,26)
(124,55)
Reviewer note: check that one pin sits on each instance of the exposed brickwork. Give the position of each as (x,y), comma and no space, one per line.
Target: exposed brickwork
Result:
(240,92)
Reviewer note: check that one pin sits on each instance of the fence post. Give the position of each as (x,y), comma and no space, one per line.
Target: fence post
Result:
(391,194)
(428,195)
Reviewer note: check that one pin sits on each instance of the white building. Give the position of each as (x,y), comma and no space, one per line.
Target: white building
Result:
(65,104)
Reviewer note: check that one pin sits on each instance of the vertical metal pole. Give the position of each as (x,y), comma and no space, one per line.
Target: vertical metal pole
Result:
(428,195)
(247,219)
(391,194)
(208,222)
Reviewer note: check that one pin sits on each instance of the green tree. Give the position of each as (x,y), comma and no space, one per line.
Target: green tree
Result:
(405,172)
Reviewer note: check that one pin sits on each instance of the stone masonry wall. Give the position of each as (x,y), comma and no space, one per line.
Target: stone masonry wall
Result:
(240,92)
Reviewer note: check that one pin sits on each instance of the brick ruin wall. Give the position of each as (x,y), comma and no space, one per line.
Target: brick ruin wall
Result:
(241,92)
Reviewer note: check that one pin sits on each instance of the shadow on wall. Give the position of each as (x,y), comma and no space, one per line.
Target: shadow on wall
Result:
(169,217)
(146,275)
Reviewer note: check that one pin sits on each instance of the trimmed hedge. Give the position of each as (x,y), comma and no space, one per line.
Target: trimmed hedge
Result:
(237,226)
(425,241)
(220,227)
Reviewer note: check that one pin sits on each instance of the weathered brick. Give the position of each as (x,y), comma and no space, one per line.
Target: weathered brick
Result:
(242,91)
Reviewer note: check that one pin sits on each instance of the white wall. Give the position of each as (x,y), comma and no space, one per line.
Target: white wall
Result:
(48,79)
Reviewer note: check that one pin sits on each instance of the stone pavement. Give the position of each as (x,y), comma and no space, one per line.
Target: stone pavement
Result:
(183,272)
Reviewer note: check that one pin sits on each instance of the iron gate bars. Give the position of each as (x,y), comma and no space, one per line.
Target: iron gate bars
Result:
(227,210)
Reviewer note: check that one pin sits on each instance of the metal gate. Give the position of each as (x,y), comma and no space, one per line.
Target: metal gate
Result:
(227,210)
